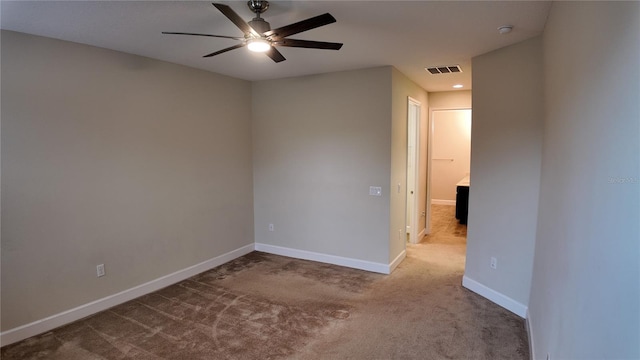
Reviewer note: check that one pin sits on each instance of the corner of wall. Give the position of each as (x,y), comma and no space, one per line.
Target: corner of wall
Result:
(529,328)
(506,152)
(498,298)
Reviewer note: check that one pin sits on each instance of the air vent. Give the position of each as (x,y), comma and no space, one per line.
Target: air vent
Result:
(445,69)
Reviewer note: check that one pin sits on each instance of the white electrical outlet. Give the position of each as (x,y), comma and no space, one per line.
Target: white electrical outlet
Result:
(100,270)
(494,263)
(271,227)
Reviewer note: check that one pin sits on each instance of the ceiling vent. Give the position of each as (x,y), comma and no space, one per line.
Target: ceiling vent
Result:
(445,69)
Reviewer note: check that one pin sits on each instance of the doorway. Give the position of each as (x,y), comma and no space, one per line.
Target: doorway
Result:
(450,156)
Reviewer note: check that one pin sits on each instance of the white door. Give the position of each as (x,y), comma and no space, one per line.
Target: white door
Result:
(413,138)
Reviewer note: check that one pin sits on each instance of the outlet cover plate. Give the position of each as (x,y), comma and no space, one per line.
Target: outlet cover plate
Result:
(100,270)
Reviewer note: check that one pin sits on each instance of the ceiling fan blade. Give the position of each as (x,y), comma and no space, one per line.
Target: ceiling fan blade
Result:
(309,44)
(275,55)
(225,50)
(300,26)
(236,19)
(194,34)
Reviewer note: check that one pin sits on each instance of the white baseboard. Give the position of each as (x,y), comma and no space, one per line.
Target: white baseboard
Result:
(422,234)
(328,259)
(527,323)
(66,317)
(394,264)
(494,296)
(443,202)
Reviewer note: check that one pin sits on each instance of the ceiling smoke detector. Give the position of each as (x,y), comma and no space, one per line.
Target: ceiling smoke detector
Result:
(505,29)
(444,69)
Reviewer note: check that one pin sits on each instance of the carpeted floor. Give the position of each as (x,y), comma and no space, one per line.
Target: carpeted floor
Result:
(445,229)
(263,306)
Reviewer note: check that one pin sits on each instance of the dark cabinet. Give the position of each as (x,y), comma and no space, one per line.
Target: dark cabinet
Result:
(462,200)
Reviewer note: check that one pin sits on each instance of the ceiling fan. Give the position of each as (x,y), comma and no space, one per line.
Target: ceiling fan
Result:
(259,37)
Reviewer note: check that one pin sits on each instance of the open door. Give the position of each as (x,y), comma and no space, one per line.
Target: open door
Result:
(413,154)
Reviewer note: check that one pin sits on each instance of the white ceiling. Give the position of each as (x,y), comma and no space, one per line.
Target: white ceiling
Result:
(409,35)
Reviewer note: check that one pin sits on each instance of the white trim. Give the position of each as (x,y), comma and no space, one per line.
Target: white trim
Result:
(443,202)
(413,124)
(427,221)
(494,296)
(422,234)
(394,264)
(40,326)
(527,322)
(325,258)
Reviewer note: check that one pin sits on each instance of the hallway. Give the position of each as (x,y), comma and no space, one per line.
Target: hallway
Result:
(445,229)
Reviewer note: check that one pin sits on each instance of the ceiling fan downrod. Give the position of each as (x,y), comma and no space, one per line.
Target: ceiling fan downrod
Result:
(258,23)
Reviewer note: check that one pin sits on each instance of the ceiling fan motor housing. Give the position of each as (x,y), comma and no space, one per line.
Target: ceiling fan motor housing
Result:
(259,25)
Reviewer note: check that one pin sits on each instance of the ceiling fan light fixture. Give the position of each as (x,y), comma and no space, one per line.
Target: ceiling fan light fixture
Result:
(258,45)
(258,36)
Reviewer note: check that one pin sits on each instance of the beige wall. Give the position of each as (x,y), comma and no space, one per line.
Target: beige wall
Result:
(585,295)
(315,159)
(460,99)
(111,158)
(319,142)
(403,88)
(451,151)
(505,169)
(148,168)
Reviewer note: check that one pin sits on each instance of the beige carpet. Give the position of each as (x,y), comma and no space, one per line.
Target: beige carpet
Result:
(264,306)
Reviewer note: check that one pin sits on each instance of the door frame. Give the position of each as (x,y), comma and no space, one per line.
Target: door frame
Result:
(413,177)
